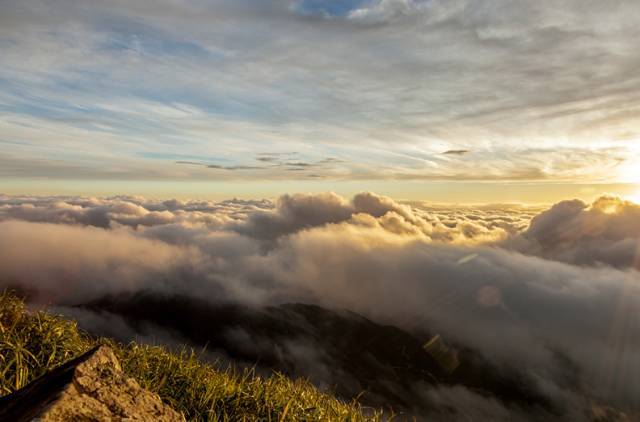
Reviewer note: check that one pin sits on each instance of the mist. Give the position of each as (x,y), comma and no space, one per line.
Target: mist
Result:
(524,288)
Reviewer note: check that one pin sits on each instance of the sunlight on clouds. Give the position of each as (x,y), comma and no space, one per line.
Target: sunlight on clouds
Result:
(532,280)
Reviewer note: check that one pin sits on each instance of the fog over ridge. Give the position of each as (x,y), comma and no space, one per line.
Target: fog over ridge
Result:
(519,290)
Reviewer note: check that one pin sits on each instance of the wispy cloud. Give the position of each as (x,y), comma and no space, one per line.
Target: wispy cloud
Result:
(456,152)
(363,82)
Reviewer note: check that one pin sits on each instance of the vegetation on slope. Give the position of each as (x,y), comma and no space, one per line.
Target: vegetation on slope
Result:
(31,343)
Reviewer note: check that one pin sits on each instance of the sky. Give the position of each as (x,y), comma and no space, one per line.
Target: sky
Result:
(440,100)
(396,158)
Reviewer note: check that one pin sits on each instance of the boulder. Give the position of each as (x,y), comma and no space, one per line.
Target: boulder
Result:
(92,387)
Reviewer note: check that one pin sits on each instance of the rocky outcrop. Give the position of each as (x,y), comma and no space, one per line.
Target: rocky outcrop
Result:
(92,387)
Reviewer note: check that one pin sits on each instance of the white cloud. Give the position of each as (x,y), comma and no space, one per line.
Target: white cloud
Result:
(387,10)
(604,233)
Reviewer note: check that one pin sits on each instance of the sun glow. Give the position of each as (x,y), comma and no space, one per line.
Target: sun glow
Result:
(630,172)
(634,197)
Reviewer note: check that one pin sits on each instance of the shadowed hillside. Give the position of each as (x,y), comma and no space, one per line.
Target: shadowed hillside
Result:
(382,365)
(32,343)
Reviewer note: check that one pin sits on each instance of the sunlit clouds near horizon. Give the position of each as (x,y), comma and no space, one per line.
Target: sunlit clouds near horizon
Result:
(548,292)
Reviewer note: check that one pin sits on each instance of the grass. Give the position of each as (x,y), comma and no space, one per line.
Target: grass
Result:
(31,343)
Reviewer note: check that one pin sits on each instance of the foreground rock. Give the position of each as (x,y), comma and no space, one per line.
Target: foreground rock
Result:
(92,387)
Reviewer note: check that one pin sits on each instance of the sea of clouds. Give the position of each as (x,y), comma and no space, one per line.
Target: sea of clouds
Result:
(519,284)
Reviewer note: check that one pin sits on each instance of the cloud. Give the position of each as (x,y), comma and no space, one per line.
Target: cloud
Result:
(456,152)
(557,294)
(606,232)
(385,11)
(192,163)
(55,262)
(267,159)
(464,404)
(293,213)
(385,86)
(219,167)
(296,212)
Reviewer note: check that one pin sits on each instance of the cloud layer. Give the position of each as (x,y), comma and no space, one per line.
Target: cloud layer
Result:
(605,233)
(532,90)
(530,293)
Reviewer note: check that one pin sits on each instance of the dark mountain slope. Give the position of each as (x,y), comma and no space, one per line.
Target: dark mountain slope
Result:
(336,349)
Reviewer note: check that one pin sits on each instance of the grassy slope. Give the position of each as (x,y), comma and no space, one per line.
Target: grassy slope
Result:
(31,343)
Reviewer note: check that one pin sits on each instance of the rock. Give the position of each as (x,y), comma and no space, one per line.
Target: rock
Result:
(97,390)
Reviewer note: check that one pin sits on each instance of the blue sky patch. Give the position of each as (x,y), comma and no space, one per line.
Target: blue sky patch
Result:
(337,8)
